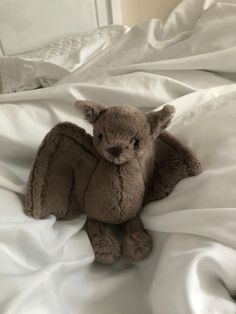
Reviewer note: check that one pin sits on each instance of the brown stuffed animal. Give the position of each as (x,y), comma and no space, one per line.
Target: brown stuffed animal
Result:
(129,161)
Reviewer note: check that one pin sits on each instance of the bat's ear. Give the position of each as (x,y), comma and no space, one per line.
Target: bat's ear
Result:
(159,120)
(91,110)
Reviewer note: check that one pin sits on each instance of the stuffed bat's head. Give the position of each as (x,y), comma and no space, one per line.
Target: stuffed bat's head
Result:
(122,133)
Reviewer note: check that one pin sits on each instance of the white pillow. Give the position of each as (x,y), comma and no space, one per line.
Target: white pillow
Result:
(47,65)
(72,43)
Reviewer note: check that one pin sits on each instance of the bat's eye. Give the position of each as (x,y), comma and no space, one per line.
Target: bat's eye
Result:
(100,136)
(135,141)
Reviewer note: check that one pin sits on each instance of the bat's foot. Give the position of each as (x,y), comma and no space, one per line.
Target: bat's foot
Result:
(136,245)
(106,249)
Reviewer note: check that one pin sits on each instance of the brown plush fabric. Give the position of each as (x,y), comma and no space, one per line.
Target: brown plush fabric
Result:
(130,160)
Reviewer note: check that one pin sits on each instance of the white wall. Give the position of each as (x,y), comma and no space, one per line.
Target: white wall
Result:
(28,24)
(134,11)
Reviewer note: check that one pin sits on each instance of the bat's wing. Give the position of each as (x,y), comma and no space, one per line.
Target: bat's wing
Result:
(65,159)
(173,162)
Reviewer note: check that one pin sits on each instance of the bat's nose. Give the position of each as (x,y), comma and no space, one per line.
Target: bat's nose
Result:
(115,151)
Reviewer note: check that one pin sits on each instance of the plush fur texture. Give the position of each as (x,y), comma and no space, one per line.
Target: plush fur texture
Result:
(130,160)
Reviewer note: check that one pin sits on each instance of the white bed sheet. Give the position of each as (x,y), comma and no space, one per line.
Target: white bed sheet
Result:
(47,266)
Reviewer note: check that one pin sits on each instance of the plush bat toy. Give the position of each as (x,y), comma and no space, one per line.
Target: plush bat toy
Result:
(130,160)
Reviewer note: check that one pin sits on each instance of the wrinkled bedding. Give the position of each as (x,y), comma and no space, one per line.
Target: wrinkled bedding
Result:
(47,65)
(47,266)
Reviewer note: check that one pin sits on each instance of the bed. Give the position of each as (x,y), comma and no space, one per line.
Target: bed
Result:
(189,62)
